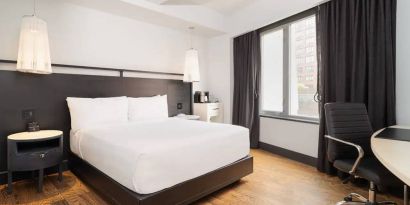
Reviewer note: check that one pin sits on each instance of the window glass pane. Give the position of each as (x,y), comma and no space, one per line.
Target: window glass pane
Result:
(272,71)
(303,68)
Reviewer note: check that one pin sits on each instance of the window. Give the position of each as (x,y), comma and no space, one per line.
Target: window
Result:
(289,70)
(272,61)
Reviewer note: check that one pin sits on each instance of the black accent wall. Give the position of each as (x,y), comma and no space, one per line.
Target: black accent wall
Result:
(46,95)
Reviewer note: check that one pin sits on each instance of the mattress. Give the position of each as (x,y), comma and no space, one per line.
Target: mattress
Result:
(149,156)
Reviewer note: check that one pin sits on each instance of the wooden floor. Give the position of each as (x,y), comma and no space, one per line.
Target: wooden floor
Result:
(276,180)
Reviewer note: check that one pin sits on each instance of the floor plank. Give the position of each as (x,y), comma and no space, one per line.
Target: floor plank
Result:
(276,180)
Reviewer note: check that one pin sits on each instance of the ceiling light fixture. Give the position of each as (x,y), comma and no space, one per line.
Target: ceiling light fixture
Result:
(34,51)
(191,72)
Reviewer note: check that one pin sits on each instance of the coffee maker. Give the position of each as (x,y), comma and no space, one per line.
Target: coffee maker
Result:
(201,97)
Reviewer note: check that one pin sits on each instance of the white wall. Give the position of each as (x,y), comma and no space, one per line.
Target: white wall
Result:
(295,136)
(403,62)
(219,72)
(220,56)
(85,36)
(299,137)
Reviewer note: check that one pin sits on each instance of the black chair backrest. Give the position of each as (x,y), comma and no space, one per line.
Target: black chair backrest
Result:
(349,122)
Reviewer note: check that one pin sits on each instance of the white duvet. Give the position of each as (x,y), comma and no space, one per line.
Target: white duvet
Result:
(149,156)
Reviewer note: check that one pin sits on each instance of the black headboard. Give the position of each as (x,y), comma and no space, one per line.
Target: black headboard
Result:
(46,95)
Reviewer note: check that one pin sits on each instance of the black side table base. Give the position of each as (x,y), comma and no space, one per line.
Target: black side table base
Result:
(40,180)
(29,151)
(9,182)
(60,172)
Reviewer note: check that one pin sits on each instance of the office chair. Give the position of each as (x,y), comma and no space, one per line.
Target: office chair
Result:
(349,132)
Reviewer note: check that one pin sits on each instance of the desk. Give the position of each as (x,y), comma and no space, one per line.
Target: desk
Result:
(394,155)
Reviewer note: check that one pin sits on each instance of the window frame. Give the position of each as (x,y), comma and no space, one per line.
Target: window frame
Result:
(285,25)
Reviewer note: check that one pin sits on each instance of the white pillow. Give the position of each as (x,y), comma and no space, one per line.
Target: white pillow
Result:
(86,112)
(147,108)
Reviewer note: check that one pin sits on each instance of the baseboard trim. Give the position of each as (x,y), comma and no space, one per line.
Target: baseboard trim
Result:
(305,159)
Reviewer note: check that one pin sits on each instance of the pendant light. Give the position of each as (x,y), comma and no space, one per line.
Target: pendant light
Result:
(34,51)
(191,72)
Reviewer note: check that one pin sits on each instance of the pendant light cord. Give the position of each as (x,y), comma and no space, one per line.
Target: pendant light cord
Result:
(34,8)
(191,29)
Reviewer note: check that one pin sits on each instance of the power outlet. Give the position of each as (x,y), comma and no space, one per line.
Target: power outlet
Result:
(179,106)
(28,115)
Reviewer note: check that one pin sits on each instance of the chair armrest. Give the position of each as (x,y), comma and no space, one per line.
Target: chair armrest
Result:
(359,150)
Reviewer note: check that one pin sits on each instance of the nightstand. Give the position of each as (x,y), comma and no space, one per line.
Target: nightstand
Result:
(29,151)
(209,112)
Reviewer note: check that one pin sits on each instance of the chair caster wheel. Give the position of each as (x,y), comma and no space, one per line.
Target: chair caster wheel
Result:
(348,199)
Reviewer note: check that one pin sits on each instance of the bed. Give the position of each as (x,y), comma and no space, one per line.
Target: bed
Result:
(46,97)
(149,157)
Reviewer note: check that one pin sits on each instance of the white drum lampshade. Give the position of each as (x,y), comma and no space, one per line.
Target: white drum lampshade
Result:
(34,50)
(191,72)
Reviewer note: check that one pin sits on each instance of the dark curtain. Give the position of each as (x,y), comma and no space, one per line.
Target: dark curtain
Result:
(247,59)
(356,43)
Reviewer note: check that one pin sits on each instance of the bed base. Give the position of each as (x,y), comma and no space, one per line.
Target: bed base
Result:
(183,193)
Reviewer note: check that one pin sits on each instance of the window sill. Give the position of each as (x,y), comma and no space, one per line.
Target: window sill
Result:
(294,119)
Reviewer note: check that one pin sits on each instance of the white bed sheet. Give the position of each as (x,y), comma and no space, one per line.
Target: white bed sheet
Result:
(149,156)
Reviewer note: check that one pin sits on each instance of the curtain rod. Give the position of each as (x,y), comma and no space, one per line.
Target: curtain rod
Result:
(121,71)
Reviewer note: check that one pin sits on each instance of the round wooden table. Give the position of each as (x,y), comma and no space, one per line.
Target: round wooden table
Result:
(394,155)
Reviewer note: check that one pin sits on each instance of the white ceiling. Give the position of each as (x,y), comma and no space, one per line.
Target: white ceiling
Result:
(210,17)
(207,22)
(224,7)
(228,6)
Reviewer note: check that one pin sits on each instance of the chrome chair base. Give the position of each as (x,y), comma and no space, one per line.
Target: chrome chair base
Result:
(357,199)
(350,203)
(353,199)
(365,203)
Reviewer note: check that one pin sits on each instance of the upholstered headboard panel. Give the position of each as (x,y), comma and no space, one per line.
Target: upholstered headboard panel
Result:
(46,95)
